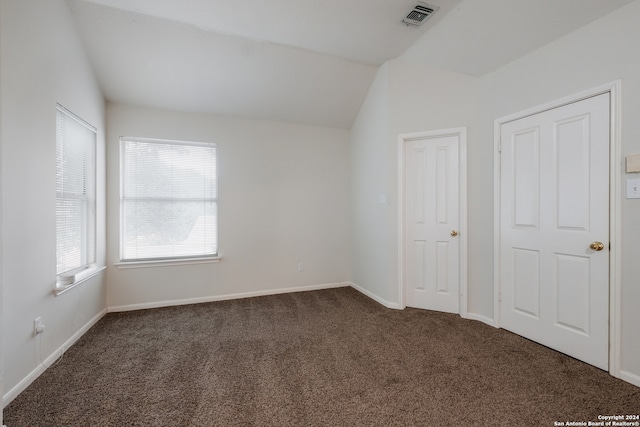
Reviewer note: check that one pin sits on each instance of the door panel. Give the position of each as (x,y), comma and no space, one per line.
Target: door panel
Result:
(526,282)
(572,292)
(573,153)
(554,203)
(432,212)
(526,174)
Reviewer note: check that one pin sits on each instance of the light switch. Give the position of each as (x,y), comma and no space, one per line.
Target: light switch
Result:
(633,163)
(382,199)
(633,189)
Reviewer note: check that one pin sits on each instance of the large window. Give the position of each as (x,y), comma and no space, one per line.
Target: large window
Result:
(75,193)
(168,199)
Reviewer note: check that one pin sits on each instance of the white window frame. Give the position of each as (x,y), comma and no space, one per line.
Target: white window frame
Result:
(86,268)
(169,259)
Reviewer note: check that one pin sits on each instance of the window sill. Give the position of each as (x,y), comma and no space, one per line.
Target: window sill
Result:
(78,278)
(166,262)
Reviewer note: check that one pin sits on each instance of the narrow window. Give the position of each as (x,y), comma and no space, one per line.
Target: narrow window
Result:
(75,193)
(168,199)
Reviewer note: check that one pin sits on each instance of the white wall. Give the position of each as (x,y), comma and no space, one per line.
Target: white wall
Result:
(42,63)
(599,53)
(283,199)
(403,98)
(369,169)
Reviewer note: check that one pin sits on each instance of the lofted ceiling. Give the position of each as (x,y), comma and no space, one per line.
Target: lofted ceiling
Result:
(480,36)
(301,61)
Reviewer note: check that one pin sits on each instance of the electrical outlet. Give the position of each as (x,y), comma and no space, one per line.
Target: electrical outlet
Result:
(38,326)
(301,266)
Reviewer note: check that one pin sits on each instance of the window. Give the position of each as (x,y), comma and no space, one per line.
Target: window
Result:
(75,193)
(168,199)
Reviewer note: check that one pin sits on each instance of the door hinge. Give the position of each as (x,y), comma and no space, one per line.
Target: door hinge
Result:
(500,146)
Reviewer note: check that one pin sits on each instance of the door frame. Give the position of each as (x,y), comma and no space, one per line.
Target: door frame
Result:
(403,139)
(615,203)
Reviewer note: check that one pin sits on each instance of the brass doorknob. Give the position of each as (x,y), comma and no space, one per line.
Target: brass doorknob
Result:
(454,233)
(597,246)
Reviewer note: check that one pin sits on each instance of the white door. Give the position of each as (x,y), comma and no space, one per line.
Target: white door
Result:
(555,228)
(432,249)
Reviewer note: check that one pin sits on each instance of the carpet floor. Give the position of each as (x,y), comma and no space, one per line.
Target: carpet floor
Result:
(321,358)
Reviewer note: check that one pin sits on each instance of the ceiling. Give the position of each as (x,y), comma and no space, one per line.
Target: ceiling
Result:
(480,36)
(293,61)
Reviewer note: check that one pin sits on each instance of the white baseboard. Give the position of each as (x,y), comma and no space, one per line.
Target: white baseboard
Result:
(630,378)
(158,304)
(484,319)
(22,385)
(393,305)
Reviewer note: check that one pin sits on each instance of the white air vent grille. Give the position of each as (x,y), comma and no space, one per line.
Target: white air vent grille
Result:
(420,13)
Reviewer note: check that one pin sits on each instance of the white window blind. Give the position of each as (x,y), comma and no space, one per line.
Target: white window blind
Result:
(168,199)
(75,193)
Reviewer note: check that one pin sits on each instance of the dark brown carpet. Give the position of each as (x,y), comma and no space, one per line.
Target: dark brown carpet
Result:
(325,358)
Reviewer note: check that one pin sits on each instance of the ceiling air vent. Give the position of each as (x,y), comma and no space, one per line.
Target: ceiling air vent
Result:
(420,13)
